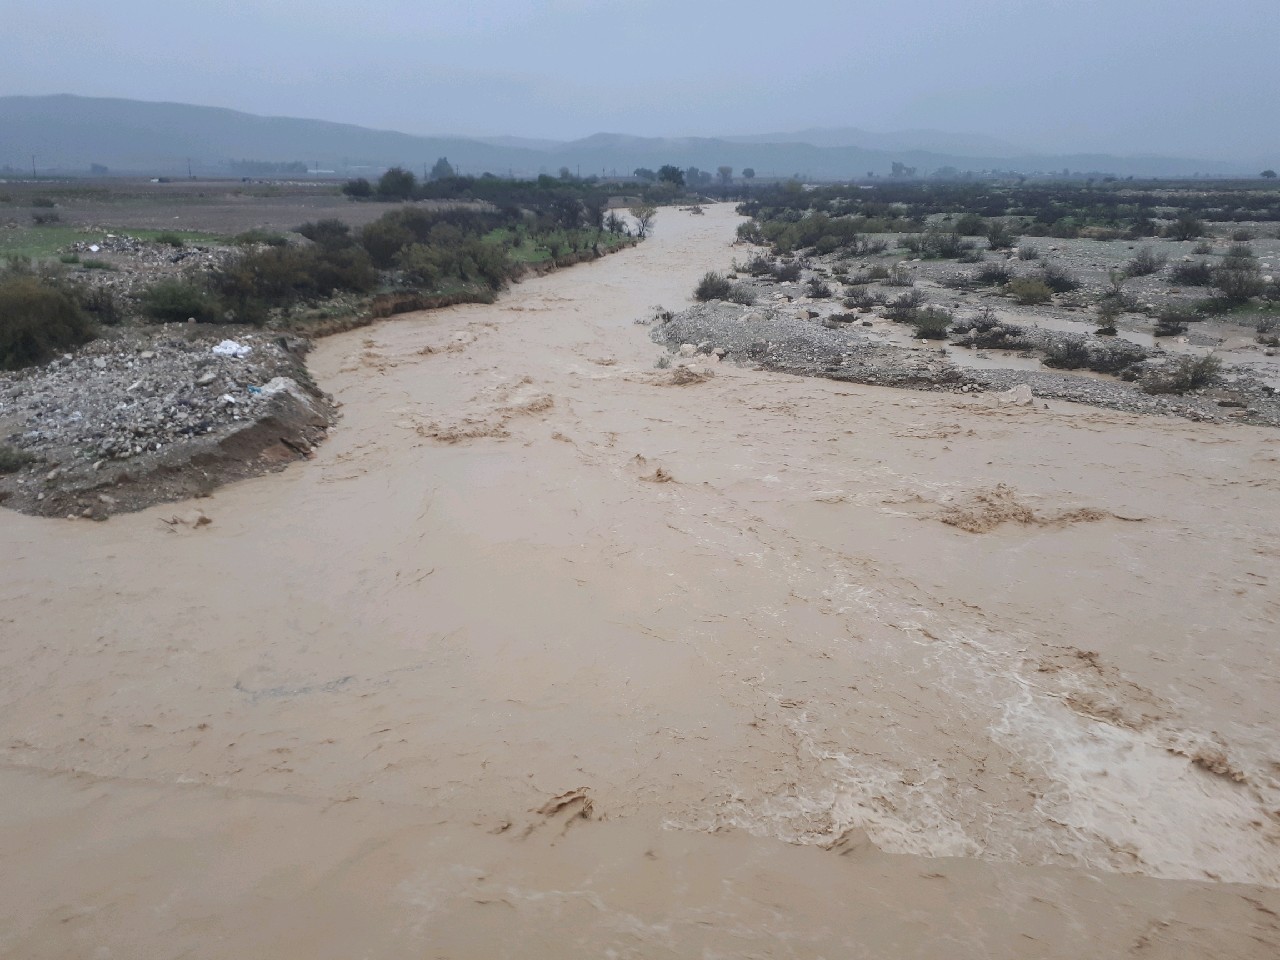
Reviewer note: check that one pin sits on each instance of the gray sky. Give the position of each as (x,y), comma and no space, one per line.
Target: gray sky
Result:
(1182,77)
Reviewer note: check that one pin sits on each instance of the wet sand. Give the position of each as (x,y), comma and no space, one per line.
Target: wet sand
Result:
(544,656)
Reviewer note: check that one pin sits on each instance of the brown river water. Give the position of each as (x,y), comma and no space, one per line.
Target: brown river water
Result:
(543,656)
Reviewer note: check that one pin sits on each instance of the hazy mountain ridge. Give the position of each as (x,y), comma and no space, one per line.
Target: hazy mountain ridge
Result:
(69,133)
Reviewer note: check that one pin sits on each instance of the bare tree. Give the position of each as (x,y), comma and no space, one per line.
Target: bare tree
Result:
(644,214)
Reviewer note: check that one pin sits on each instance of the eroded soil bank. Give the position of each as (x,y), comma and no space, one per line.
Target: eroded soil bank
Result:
(546,654)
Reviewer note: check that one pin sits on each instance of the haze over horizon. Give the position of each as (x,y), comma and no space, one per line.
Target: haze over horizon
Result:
(1128,77)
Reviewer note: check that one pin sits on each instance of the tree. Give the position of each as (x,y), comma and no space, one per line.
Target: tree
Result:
(644,214)
(644,173)
(396,184)
(358,188)
(443,169)
(749,173)
(566,173)
(1269,174)
(671,174)
(725,174)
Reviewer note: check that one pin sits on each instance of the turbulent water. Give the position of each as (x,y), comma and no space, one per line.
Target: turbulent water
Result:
(545,655)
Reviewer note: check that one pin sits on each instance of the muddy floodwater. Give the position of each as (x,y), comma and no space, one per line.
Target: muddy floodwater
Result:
(544,655)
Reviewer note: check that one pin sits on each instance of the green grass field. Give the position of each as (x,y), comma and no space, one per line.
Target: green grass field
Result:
(45,243)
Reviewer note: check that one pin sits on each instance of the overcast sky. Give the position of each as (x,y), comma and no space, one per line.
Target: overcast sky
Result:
(1184,77)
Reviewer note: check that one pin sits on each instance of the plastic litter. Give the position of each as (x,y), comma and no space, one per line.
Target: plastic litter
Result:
(229,348)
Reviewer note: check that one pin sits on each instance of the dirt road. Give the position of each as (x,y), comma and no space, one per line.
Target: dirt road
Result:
(545,656)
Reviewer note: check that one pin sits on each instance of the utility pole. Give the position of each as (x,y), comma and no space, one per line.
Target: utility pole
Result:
(33,166)
(190,176)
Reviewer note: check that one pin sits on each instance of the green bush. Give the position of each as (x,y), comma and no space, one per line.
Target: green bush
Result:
(37,320)
(1194,274)
(993,275)
(931,323)
(904,307)
(999,236)
(12,459)
(176,301)
(1069,354)
(1186,227)
(1144,263)
(712,286)
(818,289)
(1029,290)
(258,236)
(1189,373)
(1058,279)
(170,239)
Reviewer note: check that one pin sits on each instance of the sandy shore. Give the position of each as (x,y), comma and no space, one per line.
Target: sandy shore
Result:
(544,656)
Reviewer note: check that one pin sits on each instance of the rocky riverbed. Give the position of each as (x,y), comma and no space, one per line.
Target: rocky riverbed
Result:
(153,415)
(784,329)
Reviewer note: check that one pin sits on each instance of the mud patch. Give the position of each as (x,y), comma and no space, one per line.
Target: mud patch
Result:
(985,510)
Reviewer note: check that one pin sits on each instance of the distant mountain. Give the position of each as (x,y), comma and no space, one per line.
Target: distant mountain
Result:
(931,141)
(68,133)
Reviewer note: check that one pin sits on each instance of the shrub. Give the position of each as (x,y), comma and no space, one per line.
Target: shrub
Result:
(98,265)
(1186,227)
(862,299)
(904,306)
(818,289)
(384,239)
(970,225)
(332,233)
(170,239)
(1145,262)
(1238,279)
(1242,236)
(999,236)
(1109,310)
(358,188)
(175,301)
(257,236)
(1029,290)
(45,203)
(972,255)
(1067,354)
(1189,373)
(931,323)
(900,276)
(100,303)
(396,184)
(1197,273)
(877,272)
(993,275)
(12,459)
(712,286)
(1172,318)
(1058,279)
(1203,248)
(787,271)
(37,320)
(1028,252)
(742,294)
(45,219)
(70,258)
